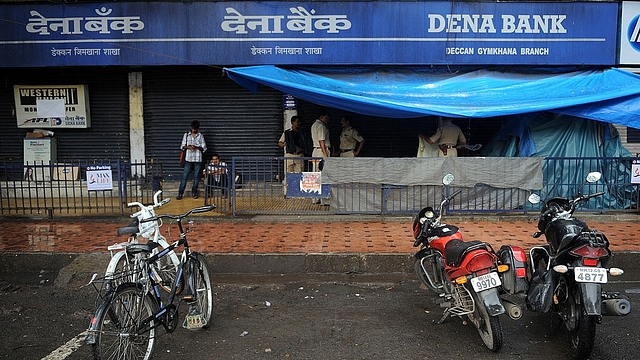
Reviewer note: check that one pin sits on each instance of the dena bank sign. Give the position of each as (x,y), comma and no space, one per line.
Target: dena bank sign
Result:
(315,33)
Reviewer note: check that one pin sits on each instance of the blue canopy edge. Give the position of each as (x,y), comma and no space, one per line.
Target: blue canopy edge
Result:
(604,94)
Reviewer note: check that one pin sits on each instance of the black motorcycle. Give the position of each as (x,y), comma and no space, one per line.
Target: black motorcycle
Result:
(568,272)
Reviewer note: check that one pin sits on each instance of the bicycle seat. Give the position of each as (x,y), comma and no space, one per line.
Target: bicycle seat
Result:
(140,248)
(128,230)
(131,229)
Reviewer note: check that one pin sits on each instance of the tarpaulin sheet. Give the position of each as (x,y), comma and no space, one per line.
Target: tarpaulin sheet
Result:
(609,94)
(521,173)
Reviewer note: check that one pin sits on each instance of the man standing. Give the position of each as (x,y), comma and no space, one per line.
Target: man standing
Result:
(447,137)
(320,136)
(193,142)
(349,138)
(293,143)
(321,142)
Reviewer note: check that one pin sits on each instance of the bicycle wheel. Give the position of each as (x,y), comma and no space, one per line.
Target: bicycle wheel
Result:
(203,290)
(120,335)
(166,268)
(124,269)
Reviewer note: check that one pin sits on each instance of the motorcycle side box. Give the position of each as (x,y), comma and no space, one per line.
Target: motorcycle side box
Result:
(514,280)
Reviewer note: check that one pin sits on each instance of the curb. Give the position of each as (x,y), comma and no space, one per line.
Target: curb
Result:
(77,269)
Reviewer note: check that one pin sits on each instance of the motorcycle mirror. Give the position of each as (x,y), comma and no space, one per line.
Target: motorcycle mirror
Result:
(447,179)
(593,176)
(534,198)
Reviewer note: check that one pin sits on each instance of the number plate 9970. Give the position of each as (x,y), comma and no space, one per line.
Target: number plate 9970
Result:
(485,282)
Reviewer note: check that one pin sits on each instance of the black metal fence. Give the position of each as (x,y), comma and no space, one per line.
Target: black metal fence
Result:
(256,185)
(76,188)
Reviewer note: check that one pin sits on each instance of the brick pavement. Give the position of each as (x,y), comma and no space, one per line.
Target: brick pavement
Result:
(242,237)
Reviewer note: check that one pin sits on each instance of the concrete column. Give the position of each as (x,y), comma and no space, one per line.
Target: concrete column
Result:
(136,121)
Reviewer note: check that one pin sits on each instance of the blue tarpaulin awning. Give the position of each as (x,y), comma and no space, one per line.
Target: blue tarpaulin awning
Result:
(609,94)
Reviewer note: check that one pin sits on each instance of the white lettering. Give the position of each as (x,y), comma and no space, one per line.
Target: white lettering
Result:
(301,20)
(534,51)
(548,24)
(461,23)
(497,51)
(73,25)
(459,51)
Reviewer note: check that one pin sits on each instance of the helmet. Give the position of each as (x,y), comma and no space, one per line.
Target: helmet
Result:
(423,222)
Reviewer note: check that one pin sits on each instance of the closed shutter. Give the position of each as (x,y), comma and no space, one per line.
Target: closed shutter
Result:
(108,136)
(633,135)
(234,121)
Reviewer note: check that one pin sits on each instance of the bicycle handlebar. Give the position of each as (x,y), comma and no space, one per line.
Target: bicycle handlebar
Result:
(181,216)
(150,206)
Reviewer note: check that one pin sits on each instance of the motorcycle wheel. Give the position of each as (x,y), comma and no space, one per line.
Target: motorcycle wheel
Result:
(583,333)
(489,327)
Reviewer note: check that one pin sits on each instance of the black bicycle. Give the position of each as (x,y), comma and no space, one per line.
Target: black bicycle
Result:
(125,322)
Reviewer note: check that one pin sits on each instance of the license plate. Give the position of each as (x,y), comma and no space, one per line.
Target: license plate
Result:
(590,275)
(484,282)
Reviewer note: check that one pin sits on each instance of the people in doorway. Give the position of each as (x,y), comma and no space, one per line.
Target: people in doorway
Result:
(293,142)
(217,175)
(351,141)
(448,136)
(194,144)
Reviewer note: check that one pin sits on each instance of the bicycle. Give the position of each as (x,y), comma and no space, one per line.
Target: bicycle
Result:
(125,322)
(166,269)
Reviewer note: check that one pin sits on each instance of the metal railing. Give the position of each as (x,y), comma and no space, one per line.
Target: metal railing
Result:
(257,185)
(63,188)
(263,191)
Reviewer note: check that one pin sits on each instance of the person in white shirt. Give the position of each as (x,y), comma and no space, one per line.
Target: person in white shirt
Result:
(195,146)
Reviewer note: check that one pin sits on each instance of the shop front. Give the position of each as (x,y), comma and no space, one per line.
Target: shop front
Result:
(153,67)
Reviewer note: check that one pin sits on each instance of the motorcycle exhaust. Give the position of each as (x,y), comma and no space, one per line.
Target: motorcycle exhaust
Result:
(514,311)
(616,307)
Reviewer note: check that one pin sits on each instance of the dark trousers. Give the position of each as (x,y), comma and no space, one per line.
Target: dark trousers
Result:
(196,167)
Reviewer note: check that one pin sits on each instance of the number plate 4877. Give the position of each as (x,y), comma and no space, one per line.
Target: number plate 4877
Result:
(590,275)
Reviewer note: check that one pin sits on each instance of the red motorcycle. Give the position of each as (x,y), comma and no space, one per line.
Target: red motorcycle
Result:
(469,276)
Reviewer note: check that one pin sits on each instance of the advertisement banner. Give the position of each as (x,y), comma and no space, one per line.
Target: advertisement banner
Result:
(99,178)
(52,106)
(280,33)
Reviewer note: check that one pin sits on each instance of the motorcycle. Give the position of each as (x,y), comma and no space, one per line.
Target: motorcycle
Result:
(567,274)
(469,277)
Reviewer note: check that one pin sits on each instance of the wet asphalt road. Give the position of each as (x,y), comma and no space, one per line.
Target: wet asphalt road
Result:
(302,317)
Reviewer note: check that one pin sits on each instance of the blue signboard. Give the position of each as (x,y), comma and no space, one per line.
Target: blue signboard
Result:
(273,32)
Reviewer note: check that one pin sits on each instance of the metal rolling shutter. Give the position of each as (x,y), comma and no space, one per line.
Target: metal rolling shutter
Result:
(234,121)
(108,136)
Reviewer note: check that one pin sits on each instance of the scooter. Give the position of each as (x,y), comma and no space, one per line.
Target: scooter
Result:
(469,277)
(567,274)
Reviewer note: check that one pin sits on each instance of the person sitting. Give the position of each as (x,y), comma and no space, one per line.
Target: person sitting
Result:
(217,174)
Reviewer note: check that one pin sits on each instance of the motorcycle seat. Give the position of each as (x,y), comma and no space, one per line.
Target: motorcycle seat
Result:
(455,250)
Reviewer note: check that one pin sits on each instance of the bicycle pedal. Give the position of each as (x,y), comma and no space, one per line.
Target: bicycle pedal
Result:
(193,320)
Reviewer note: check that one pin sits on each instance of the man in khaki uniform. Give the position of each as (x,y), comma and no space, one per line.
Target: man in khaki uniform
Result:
(321,140)
(321,143)
(447,137)
(349,138)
